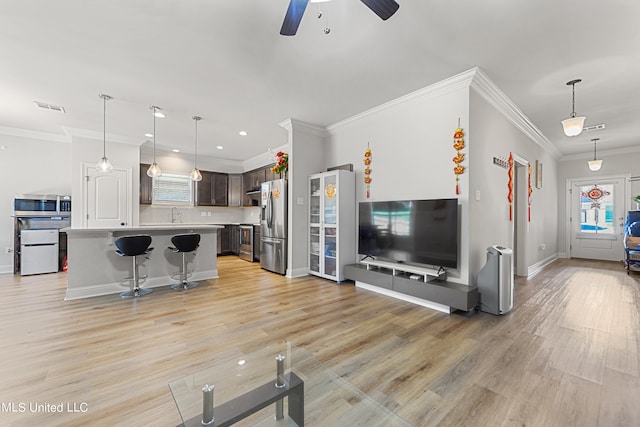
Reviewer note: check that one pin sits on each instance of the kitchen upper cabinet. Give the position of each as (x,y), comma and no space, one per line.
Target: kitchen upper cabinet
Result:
(146,185)
(252,181)
(270,176)
(212,190)
(235,190)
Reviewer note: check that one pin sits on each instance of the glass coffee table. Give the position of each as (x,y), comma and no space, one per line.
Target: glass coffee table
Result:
(280,385)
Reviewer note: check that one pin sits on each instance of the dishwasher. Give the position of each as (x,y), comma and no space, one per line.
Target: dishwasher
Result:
(38,251)
(246,242)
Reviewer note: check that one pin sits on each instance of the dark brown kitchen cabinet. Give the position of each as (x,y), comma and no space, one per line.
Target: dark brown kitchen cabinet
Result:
(270,176)
(146,185)
(252,181)
(235,190)
(212,190)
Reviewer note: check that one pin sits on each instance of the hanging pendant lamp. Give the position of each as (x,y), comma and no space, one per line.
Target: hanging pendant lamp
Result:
(573,125)
(195,174)
(594,165)
(104,165)
(154,171)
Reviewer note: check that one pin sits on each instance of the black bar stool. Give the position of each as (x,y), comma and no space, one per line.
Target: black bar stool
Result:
(134,246)
(184,243)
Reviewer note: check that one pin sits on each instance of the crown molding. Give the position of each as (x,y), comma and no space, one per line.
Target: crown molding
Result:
(85,133)
(482,85)
(294,124)
(32,134)
(263,159)
(459,81)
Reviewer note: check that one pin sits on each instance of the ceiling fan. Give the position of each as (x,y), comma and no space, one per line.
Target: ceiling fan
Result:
(383,8)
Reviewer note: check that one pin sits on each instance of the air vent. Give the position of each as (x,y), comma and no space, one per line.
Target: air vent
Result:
(596,127)
(50,107)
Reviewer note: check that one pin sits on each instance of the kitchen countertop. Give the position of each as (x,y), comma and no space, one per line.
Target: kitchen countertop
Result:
(92,250)
(145,228)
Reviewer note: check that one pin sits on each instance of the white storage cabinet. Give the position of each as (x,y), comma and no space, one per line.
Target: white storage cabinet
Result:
(332,223)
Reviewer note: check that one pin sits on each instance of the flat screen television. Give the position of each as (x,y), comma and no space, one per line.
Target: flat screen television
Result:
(410,231)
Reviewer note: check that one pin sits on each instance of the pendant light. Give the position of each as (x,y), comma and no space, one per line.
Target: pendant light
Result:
(195,174)
(154,171)
(595,165)
(104,165)
(573,125)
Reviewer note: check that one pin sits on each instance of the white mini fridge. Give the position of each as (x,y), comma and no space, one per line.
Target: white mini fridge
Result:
(495,281)
(38,251)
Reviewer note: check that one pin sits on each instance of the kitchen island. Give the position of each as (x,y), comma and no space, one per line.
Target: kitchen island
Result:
(95,268)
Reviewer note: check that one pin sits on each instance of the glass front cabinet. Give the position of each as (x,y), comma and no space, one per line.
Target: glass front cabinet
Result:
(332,223)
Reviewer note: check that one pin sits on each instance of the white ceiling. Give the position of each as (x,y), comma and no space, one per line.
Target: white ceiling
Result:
(226,61)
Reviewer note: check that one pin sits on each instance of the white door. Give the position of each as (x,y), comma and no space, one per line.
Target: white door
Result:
(107,198)
(597,218)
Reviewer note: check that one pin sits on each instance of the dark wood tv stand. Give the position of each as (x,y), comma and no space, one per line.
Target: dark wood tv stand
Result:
(423,286)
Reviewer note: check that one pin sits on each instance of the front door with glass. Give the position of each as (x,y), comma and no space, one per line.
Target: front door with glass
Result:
(597,218)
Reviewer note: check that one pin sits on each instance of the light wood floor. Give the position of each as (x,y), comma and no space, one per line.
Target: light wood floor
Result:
(567,355)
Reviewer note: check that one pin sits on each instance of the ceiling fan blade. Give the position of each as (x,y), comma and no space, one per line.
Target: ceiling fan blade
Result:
(383,8)
(293,17)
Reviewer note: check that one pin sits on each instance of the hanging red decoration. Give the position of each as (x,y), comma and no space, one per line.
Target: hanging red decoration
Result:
(458,145)
(530,192)
(510,186)
(367,170)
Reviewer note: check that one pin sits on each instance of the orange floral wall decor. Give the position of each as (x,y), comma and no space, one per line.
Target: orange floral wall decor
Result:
(458,145)
(530,191)
(367,170)
(510,186)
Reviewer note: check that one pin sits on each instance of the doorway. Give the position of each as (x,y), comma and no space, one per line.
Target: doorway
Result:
(520,215)
(596,214)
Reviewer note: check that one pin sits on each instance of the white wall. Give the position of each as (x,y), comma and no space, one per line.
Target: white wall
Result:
(411,139)
(411,142)
(28,165)
(615,162)
(306,148)
(491,135)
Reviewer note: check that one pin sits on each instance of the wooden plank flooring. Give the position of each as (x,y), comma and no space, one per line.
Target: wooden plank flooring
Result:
(567,355)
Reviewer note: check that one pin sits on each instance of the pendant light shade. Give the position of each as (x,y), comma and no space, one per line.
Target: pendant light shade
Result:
(195,174)
(104,165)
(594,165)
(154,171)
(573,125)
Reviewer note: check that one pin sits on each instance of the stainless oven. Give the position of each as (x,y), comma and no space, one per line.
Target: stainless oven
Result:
(30,205)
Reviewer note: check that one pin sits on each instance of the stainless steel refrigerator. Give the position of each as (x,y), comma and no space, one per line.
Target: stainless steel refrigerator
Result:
(273,226)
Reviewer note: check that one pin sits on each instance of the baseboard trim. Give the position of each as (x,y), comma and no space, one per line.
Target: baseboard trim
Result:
(5,269)
(535,268)
(298,272)
(116,288)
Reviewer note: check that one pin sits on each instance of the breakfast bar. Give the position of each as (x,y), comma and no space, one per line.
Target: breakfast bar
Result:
(96,269)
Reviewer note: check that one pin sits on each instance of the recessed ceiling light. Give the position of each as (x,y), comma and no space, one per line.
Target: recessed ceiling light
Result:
(243,133)
(3,147)
(175,150)
(219,147)
(148,135)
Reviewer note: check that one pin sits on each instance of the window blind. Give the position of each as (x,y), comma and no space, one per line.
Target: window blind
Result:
(173,189)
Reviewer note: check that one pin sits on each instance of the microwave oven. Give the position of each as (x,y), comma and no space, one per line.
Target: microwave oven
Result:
(41,205)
